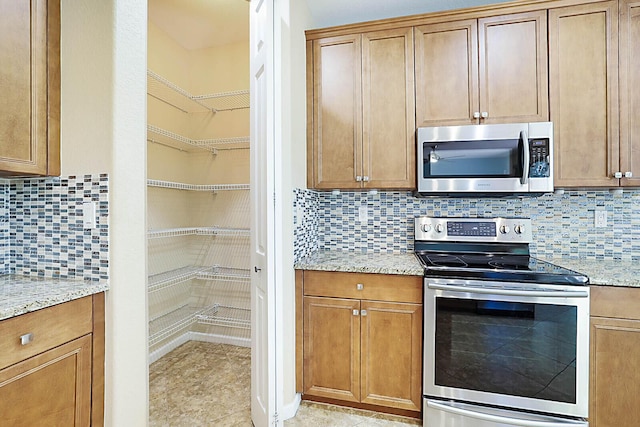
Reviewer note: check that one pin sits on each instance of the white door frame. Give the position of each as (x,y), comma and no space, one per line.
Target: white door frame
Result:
(266,228)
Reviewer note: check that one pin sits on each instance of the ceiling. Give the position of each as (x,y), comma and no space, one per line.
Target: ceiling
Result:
(197,24)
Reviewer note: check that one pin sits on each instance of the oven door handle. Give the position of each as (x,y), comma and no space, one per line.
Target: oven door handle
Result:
(510,292)
(501,419)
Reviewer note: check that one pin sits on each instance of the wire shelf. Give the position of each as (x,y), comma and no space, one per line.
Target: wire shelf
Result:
(172,323)
(225,315)
(166,91)
(167,279)
(167,138)
(196,187)
(225,274)
(198,231)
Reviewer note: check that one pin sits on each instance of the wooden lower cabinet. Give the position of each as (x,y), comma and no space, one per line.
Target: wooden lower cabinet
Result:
(360,351)
(56,376)
(51,389)
(615,365)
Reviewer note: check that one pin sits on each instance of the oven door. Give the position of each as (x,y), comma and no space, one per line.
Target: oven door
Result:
(522,346)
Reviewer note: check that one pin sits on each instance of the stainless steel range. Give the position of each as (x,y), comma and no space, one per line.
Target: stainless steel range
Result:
(506,335)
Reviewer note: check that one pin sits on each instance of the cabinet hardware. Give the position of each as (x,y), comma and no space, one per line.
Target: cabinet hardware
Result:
(485,114)
(628,174)
(256,269)
(363,312)
(26,338)
(359,286)
(617,175)
(356,312)
(365,178)
(358,178)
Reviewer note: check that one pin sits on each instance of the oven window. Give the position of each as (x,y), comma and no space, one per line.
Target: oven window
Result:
(479,159)
(518,349)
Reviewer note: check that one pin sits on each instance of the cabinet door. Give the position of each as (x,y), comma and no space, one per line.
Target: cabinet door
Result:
(50,389)
(30,87)
(388,109)
(337,112)
(446,69)
(615,372)
(513,68)
(583,61)
(332,348)
(392,354)
(629,94)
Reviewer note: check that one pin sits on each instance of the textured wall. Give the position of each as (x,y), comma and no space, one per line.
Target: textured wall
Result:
(563,225)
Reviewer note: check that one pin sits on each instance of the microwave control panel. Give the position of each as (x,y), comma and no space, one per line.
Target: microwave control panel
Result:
(539,159)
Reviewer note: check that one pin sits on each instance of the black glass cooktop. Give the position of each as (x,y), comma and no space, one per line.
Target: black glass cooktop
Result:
(499,267)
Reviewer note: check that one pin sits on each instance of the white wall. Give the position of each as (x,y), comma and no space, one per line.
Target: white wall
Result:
(103,116)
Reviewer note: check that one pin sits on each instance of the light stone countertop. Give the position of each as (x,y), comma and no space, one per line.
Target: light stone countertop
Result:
(600,272)
(604,272)
(22,294)
(354,262)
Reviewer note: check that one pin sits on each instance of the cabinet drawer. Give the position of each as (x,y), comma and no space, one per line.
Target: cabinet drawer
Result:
(369,286)
(621,303)
(49,327)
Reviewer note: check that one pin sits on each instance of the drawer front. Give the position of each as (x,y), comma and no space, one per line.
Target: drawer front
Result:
(49,328)
(367,286)
(610,301)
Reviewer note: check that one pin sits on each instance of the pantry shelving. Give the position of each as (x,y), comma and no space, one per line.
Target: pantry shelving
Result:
(179,142)
(199,279)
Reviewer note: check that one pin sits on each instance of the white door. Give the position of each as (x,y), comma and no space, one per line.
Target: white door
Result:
(263,319)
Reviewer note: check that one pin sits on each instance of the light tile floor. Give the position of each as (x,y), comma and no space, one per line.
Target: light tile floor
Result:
(204,384)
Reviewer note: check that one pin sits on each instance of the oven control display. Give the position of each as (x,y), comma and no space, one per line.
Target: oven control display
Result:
(471,229)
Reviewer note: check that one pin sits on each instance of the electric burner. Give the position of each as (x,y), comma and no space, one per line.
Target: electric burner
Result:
(494,249)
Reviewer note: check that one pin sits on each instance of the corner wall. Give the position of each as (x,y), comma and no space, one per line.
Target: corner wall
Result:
(103,116)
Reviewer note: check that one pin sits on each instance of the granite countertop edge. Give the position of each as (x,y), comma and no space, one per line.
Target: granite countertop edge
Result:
(600,272)
(24,294)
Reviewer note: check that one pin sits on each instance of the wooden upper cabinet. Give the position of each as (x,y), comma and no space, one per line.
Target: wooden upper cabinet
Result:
(583,67)
(629,94)
(388,110)
(30,87)
(362,111)
(337,106)
(491,70)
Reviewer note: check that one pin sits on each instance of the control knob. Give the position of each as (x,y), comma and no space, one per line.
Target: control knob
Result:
(439,228)
(504,229)
(519,229)
(425,227)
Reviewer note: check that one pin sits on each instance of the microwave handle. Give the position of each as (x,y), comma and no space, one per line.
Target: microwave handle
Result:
(525,154)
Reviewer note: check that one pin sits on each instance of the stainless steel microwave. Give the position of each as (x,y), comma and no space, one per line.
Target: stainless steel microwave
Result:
(492,160)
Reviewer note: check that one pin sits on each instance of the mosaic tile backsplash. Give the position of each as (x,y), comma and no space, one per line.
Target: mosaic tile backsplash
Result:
(4,227)
(563,225)
(42,230)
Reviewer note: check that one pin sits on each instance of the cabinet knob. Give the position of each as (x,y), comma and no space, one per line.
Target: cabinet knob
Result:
(628,174)
(358,178)
(617,175)
(476,114)
(485,114)
(359,286)
(356,313)
(365,178)
(26,338)
(363,312)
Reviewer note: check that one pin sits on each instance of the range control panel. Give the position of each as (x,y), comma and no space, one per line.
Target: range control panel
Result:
(515,230)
